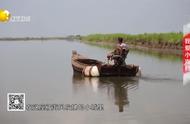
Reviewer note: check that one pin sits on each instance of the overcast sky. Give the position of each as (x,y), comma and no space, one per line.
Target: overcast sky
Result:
(64,17)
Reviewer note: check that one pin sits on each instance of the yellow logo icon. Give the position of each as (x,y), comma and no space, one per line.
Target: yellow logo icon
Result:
(4,15)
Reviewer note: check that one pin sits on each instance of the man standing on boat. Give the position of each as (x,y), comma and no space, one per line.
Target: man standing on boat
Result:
(120,53)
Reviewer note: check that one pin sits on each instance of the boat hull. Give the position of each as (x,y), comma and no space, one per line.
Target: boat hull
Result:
(94,68)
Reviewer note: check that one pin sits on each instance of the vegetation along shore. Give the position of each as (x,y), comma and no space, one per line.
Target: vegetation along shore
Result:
(169,43)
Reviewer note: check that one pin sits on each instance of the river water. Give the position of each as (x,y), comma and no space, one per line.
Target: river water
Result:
(42,70)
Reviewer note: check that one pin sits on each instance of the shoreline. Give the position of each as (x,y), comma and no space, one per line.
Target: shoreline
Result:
(165,43)
(31,38)
(158,53)
(177,52)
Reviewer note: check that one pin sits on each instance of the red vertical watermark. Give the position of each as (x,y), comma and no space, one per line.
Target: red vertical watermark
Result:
(186,53)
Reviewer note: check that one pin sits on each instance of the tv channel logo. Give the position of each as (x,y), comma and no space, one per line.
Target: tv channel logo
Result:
(4,15)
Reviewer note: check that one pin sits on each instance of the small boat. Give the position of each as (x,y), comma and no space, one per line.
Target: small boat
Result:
(94,68)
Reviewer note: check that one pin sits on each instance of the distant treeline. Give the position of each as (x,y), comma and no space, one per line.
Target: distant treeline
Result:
(33,38)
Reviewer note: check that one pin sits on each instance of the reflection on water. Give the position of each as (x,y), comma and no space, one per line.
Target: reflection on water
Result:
(159,54)
(176,56)
(43,71)
(116,87)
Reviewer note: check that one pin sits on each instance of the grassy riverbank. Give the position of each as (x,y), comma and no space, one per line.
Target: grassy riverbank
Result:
(161,42)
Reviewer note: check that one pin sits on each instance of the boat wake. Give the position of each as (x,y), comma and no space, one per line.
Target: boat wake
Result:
(159,78)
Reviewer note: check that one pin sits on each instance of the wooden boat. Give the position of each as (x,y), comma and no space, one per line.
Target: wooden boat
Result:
(95,68)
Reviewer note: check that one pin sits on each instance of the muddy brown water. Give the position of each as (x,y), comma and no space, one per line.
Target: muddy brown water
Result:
(42,70)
